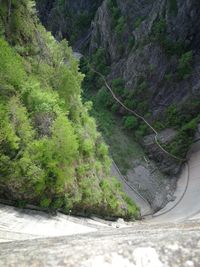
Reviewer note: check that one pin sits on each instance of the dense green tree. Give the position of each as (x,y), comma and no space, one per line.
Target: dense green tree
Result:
(51,154)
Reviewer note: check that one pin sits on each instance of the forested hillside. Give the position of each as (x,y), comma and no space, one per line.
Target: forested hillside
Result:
(51,154)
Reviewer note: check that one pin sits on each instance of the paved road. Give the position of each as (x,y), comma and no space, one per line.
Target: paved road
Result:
(189,206)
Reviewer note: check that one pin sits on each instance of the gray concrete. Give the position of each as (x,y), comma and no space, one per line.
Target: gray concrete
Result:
(16,224)
(142,245)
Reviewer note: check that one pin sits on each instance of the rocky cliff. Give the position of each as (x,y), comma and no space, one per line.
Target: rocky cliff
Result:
(163,32)
(154,48)
(69,19)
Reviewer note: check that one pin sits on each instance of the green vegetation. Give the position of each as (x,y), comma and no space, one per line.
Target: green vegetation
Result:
(130,122)
(171,48)
(173,7)
(116,128)
(95,90)
(119,26)
(184,65)
(159,30)
(173,118)
(138,22)
(137,100)
(79,23)
(159,35)
(184,119)
(115,12)
(184,138)
(122,146)
(51,154)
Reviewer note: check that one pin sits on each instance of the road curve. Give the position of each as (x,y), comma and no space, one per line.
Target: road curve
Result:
(188,191)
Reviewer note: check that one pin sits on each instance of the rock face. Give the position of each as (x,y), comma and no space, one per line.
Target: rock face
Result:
(145,40)
(167,164)
(155,48)
(176,22)
(69,19)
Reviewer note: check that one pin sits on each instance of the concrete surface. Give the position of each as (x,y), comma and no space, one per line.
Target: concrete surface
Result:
(169,245)
(16,224)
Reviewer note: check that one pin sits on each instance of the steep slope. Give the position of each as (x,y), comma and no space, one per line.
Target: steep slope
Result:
(153,243)
(51,154)
(149,54)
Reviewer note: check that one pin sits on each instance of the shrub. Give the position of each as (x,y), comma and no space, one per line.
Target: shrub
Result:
(121,26)
(168,77)
(138,22)
(159,30)
(99,61)
(88,147)
(118,83)
(10,65)
(184,139)
(131,41)
(45,203)
(103,150)
(172,116)
(141,131)
(130,122)
(173,7)
(184,65)
(104,98)
(159,34)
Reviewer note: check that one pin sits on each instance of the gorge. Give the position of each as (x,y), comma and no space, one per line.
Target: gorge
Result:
(99,133)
